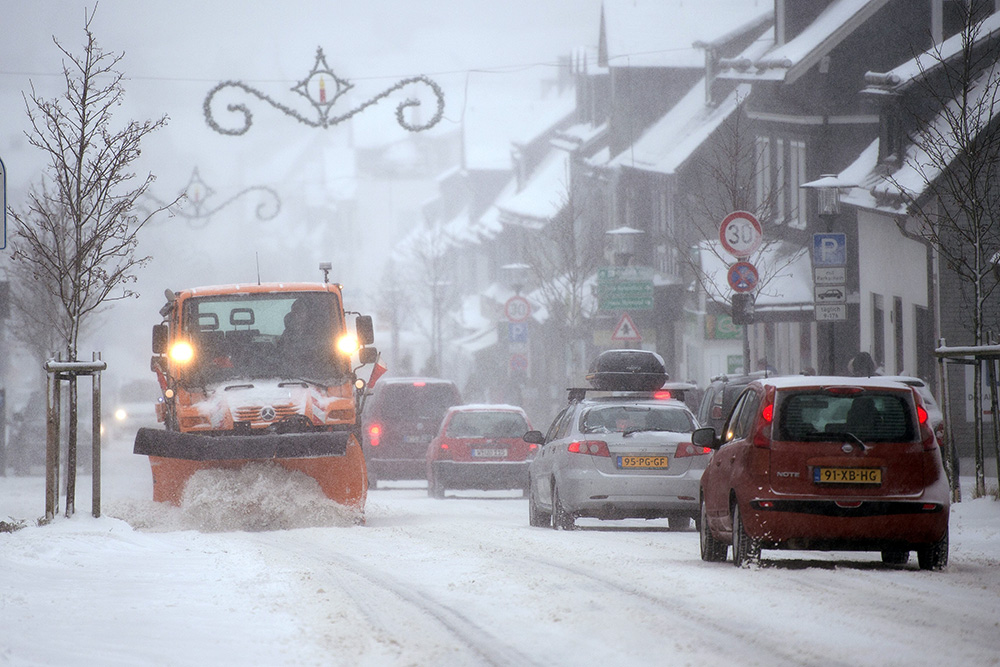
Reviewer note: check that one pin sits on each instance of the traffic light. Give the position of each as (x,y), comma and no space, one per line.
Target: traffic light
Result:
(743,308)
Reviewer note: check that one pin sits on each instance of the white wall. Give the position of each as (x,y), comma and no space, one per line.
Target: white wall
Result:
(892,265)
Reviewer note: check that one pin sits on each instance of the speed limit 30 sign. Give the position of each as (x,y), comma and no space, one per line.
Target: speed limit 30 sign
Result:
(740,234)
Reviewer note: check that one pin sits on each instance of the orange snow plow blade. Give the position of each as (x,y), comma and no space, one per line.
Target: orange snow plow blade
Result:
(333,459)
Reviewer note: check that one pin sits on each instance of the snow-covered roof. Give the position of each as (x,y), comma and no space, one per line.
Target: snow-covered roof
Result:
(786,282)
(902,76)
(543,196)
(670,141)
(890,192)
(788,61)
(505,109)
(662,33)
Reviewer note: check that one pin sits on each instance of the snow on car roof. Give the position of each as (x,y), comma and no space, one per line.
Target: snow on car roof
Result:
(495,407)
(792,381)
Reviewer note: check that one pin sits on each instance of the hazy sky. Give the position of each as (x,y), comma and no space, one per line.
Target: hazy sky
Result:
(176,51)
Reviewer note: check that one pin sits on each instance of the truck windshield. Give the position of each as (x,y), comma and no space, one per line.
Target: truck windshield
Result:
(286,335)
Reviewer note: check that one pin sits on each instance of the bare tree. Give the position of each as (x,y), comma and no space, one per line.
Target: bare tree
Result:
(730,176)
(949,175)
(78,233)
(432,278)
(563,256)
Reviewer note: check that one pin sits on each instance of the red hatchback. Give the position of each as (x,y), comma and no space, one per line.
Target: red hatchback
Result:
(480,447)
(825,463)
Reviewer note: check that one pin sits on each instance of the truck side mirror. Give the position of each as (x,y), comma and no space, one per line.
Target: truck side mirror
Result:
(365,329)
(368,355)
(160,334)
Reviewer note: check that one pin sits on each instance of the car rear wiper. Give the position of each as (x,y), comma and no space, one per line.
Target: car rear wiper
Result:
(850,437)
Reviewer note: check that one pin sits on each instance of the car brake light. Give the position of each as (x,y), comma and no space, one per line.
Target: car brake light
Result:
(921,414)
(844,391)
(419,383)
(685,449)
(592,447)
(762,436)
(374,434)
(661,395)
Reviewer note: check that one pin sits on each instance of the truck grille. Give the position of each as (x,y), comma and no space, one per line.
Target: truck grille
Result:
(252,413)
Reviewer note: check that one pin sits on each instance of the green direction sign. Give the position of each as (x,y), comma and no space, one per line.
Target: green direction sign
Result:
(625,288)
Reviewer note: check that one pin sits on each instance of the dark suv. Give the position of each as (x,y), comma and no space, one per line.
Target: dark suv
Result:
(400,419)
(720,397)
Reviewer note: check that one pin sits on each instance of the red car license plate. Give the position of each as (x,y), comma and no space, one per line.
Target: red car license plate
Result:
(485,453)
(847,475)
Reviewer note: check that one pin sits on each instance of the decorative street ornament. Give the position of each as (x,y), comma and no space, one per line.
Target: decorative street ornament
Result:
(196,208)
(323,88)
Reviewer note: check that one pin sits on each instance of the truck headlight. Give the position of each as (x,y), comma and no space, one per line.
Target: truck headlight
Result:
(182,352)
(348,344)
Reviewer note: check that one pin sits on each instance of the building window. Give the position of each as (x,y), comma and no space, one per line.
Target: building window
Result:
(797,176)
(897,326)
(779,186)
(878,329)
(763,175)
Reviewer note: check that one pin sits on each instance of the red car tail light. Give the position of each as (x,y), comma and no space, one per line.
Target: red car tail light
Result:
(685,449)
(591,447)
(762,436)
(661,395)
(374,434)
(444,452)
(921,414)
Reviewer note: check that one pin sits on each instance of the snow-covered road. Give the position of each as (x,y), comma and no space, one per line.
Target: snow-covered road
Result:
(462,581)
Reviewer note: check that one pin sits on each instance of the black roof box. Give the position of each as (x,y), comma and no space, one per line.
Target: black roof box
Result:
(627,370)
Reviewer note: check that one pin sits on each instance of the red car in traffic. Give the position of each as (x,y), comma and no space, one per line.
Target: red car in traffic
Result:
(480,446)
(825,463)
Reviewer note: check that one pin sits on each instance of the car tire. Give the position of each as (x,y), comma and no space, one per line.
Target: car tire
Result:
(934,556)
(746,550)
(561,519)
(537,517)
(712,550)
(895,557)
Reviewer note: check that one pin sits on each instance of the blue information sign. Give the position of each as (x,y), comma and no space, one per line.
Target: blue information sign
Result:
(829,249)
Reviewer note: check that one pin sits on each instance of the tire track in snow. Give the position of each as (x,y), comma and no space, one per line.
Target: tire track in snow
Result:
(393,609)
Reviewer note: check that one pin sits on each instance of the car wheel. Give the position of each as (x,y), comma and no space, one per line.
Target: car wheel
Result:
(537,517)
(561,519)
(712,550)
(935,556)
(678,523)
(746,550)
(893,557)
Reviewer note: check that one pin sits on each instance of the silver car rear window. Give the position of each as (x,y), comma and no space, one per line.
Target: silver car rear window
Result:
(622,418)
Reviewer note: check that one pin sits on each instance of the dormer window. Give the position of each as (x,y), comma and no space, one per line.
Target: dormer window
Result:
(890,136)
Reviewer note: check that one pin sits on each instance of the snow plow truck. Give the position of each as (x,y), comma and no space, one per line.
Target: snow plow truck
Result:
(259,372)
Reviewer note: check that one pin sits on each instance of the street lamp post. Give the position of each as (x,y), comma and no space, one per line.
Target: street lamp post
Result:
(624,242)
(828,188)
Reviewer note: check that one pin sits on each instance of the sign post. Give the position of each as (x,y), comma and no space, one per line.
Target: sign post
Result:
(829,258)
(741,234)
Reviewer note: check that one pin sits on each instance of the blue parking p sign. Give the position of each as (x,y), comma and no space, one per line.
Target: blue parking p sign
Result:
(829,249)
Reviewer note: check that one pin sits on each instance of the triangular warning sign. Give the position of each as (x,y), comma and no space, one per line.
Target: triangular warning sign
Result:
(626,329)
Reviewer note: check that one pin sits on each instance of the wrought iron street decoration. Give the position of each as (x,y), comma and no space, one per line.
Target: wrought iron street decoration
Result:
(323,88)
(196,208)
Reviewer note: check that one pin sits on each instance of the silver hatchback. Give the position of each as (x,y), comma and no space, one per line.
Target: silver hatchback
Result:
(616,457)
